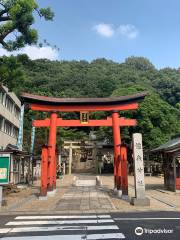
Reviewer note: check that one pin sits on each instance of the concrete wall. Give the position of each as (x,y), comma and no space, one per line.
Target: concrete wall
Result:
(8,116)
(4,112)
(5,139)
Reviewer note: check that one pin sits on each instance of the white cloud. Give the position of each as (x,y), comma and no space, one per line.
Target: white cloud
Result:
(44,52)
(109,30)
(4,52)
(128,30)
(106,30)
(34,52)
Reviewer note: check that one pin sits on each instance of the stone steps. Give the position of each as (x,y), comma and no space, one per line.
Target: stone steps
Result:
(83,182)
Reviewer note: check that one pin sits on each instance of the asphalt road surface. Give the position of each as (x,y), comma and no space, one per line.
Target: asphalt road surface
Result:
(154,225)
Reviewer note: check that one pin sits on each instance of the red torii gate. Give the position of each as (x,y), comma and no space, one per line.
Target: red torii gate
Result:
(54,105)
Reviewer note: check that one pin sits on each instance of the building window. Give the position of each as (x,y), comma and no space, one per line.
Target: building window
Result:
(1,95)
(15,132)
(7,128)
(9,104)
(1,122)
(17,112)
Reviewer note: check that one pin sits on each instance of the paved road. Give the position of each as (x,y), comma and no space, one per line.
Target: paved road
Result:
(157,225)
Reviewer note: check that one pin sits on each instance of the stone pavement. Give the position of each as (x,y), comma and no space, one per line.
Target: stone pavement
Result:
(90,199)
(24,202)
(160,199)
(85,199)
(68,198)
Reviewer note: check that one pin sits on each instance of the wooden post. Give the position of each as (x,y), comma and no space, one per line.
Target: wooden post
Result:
(70,158)
(124,170)
(55,174)
(55,168)
(175,175)
(44,167)
(29,170)
(52,152)
(117,142)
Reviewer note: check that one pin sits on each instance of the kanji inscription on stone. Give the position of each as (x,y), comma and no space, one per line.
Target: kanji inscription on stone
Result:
(138,166)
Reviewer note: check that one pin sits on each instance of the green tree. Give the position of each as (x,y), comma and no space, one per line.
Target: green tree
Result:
(158,115)
(11,73)
(157,120)
(17,16)
(139,63)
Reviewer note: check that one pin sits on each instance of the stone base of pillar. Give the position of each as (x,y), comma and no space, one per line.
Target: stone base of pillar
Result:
(42,198)
(125,197)
(98,181)
(140,202)
(74,181)
(115,190)
(119,193)
(51,193)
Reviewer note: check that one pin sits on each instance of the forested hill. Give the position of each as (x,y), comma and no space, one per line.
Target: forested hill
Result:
(100,78)
(159,114)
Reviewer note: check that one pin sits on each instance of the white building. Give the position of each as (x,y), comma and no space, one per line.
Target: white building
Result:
(10,107)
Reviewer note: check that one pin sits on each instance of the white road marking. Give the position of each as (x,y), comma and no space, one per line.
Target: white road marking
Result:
(61,217)
(74,223)
(5,230)
(57,228)
(106,236)
(68,237)
(135,219)
(59,222)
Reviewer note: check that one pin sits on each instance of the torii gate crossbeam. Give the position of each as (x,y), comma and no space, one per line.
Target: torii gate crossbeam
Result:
(91,123)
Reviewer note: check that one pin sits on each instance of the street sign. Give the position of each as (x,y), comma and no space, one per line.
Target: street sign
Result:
(4,168)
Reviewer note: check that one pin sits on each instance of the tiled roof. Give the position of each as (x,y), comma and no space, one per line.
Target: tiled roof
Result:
(31,98)
(173,144)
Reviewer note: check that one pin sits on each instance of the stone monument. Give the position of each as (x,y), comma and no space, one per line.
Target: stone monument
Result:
(140,198)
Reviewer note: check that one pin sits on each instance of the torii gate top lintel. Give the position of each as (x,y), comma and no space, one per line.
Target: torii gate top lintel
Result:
(43,103)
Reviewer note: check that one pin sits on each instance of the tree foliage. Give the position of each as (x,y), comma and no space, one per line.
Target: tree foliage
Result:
(11,73)
(157,120)
(158,115)
(16,19)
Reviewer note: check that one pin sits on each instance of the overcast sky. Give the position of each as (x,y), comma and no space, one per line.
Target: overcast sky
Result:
(113,29)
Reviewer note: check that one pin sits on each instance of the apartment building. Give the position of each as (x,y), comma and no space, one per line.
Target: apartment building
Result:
(10,107)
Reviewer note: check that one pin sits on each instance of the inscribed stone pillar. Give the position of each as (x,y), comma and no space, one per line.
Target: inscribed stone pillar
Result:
(140,198)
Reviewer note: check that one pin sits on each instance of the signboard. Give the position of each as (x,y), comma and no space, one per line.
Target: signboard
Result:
(4,168)
(84,117)
(20,136)
(138,166)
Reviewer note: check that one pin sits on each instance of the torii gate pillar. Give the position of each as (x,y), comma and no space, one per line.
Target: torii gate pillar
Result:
(52,153)
(44,168)
(117,142)
(124,167)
